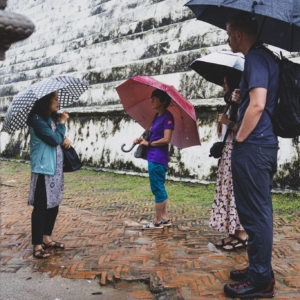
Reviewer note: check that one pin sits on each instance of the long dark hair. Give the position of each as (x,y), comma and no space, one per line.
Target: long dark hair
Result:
(233,83)
(42,108)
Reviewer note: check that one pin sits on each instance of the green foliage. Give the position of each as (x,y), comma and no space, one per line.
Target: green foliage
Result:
(287,205)
(94,186)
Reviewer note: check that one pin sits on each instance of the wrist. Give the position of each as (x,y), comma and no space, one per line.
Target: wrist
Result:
(236,141)
(230,125)
(149,144)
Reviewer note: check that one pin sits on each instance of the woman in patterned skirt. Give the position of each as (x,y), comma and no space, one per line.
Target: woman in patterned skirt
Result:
(224,217)
(47,178)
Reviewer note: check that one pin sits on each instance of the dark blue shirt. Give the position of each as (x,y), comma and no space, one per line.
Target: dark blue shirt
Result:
(260,71)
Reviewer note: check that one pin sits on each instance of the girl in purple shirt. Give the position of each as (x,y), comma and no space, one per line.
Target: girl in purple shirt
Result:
(158,156)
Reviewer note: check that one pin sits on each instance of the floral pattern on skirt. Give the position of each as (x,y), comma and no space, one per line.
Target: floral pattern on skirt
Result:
(224,217)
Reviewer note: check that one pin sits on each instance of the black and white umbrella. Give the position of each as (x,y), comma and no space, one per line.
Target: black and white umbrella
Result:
(215,66)
(69,89)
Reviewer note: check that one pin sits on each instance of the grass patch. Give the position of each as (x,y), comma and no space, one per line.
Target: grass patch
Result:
(181,194)
(91,185)
(286,205)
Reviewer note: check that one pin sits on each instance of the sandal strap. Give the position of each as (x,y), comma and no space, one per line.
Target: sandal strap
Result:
(156,224)
(223,242)
(237,245)
(40,253)
(240,241)
(165,221)
(55,245)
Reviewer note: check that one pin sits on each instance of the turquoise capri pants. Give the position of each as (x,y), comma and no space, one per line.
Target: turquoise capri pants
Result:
(157,176)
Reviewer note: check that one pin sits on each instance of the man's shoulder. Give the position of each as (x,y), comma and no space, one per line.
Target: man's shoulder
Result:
(256,55)
(261,54)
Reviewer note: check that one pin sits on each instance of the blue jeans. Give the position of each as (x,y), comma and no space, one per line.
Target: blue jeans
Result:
(253,169)
(157,177)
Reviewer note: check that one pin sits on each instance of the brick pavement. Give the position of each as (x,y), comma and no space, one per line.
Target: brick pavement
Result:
(104,240)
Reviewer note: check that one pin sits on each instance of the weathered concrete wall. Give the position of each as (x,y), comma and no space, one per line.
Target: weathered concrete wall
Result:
(106,42)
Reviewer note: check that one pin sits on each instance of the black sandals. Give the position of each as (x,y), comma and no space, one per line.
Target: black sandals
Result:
(40,254)
(56,245)
(236,244)
(154,226)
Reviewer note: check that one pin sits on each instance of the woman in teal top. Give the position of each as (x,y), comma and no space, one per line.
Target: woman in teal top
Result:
(47,179)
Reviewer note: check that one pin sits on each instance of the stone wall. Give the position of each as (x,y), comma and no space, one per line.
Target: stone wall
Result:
(106,42)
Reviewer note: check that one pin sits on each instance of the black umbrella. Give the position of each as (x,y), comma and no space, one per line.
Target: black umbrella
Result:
(215,66)
(278,20)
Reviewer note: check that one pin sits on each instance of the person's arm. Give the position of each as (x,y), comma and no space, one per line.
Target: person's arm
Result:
(66,143)
(223,119)
(161,142)
(258,98)
(46,134)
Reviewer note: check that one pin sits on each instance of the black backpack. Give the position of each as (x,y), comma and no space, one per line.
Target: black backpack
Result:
(286,116)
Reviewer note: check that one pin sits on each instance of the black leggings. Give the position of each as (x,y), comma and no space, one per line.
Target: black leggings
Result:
(42,219)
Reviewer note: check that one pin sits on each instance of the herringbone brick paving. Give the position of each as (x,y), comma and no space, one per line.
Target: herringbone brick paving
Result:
(104,240)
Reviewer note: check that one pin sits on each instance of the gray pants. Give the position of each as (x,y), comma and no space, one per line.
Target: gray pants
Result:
(253,169)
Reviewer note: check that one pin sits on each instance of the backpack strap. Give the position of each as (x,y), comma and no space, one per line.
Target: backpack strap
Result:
(277,59)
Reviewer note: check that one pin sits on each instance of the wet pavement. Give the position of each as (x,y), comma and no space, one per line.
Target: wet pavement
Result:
(105,242)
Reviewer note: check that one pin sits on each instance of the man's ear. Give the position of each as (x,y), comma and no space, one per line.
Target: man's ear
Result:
(239,35)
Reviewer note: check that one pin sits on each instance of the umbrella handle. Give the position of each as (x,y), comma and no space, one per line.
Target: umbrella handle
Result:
(122,148)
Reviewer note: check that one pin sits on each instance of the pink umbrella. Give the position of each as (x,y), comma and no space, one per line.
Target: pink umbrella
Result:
(135,95)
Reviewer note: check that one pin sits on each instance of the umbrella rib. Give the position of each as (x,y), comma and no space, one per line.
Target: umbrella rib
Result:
(137,104)
(205,9)
(261,27)
(292,36)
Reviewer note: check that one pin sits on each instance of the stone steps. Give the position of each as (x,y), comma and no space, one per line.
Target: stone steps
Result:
(120,24)
(92,42)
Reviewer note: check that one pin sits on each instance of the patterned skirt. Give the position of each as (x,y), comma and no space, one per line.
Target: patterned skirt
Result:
(54,183)
(224,217)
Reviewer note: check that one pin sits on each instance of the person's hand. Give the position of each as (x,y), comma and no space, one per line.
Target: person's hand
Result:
(144,142)
(64,117)
(66,143)
(223,119)
(236,96)
(137,141)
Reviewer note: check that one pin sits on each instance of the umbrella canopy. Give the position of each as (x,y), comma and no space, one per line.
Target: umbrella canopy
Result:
(215,66)
(135,95)
(278,20)
(69,89)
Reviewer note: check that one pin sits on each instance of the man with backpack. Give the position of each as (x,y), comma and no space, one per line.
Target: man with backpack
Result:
(254,158)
